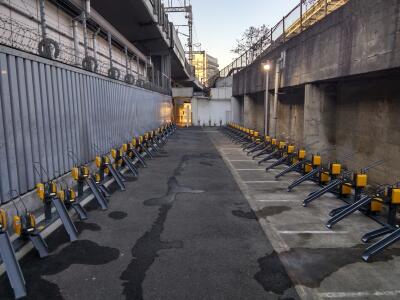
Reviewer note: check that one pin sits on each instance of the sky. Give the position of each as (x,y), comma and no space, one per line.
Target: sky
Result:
(219,23)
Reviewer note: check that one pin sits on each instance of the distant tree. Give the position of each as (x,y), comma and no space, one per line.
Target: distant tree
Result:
(250,37)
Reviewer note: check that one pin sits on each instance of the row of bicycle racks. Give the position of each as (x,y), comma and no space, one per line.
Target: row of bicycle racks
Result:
(379,202)
(59,198)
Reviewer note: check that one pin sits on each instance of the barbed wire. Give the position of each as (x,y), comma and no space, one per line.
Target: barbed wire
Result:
(20,35)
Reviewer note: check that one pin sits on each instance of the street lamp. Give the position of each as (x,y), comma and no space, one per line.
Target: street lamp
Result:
(267,68)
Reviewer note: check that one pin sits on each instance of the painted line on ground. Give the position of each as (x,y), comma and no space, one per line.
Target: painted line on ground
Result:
(336,295)
(263,181)
(250,169)
(311,231)
(278,200)
(241,160)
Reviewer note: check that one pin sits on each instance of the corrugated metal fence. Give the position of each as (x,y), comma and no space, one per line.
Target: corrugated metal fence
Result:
(48,109)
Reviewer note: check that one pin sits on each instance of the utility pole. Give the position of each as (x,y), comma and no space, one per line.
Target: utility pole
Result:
(187,9)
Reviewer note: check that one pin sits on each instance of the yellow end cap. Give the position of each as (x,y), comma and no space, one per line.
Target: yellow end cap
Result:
(97,178)
(32,220)
(336,169)
(396,196)
(61,195)
(114,153)
(75,173)
(316,160)
(301,154)
(3,219)
(290,149)
(53,188)
(40,191)
(98,161)
(324,177)
(307,168)
(17,226)
(376,205)
(361,180)
(346,189)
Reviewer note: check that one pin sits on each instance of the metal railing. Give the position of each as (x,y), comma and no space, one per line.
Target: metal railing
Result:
(301,17)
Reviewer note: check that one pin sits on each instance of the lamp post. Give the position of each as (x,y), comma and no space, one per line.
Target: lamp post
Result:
(267,68)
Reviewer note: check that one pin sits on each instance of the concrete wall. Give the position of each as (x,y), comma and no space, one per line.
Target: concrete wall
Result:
(290,115)
(253,111)
(360,37)
(339,86)
(221,92)
(357,116)
(237,110)
(319,117)
(367,121)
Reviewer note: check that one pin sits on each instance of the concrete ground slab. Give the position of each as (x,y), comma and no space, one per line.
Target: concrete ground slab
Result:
(323,263)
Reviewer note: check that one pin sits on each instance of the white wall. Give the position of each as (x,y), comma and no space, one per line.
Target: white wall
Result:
(219,107)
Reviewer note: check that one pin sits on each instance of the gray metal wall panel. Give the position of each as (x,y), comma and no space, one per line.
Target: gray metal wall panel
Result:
(31,148)
(47,110)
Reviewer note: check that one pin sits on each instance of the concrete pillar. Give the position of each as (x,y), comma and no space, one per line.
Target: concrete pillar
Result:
(250,112)
(320,117)
(195,112)
(236,109)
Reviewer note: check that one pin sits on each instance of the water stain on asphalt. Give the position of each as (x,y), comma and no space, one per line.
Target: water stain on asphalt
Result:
(269,211)
(81,226)
(81,252)
(144,253)
(312,265)
(262,213)
(146,248)
(117,215)
(272,275)
(244,214)
(174,188)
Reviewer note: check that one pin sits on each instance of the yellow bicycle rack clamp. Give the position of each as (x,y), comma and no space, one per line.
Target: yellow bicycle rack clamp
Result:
(335,169)
(316,160)
(360,180)
(68,196)
(10,261)
(3,220)
(135,151)
(301,154)
(290,149)
(80,173)
(24,225)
